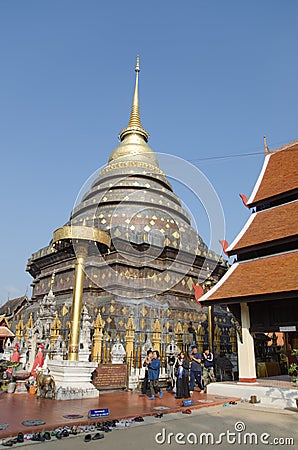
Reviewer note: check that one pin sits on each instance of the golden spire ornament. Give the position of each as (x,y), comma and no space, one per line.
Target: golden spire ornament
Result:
(134,124)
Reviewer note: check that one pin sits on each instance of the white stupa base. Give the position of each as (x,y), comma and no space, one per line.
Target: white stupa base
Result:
(73,379)
(133,382)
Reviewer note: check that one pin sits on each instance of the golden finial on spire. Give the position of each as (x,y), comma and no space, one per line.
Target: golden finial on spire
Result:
(137,69)
(134,124)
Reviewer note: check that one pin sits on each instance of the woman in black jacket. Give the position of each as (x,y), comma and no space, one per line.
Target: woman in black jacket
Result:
(182,376)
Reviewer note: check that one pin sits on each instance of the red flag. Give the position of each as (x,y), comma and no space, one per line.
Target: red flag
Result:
(224,245)
(244,199)
(198,293)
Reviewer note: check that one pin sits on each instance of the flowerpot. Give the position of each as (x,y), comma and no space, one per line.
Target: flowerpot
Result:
(32,390)
(253,399)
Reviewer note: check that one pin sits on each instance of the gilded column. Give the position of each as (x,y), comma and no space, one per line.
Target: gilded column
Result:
(179,335)
(233,339)
(81,255)
(156,337)
(201,336)
(79,237)
(217,338)
(210,327)
(129,339)
(98,338)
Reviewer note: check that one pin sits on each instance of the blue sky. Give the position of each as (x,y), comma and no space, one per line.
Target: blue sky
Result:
(215,76)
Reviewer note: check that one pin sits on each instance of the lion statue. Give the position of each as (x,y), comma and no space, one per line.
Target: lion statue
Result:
(44,383)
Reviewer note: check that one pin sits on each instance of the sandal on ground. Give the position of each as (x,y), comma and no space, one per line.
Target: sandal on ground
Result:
(47,435)
(8,443)
(20,437)
(87,437)
(186,411)
(139,419)
(98,436)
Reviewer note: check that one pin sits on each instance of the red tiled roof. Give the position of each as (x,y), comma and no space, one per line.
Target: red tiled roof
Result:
(279,174)
(267,226)
(269,275)
(5,332)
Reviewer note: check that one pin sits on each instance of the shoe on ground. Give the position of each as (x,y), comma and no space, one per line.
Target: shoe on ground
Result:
(8,443)
(121,423)
(160,394)
(20,437)
(186,411)
(98,436)
(87,437)
(151,398)
(47,435)
(139,419)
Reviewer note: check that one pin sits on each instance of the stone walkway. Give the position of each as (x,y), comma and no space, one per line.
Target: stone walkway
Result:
(16,408)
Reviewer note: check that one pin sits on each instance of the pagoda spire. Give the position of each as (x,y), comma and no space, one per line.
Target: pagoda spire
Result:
(134,125)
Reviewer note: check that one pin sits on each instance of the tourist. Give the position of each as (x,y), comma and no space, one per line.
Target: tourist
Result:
(182,376)
(39,360)
(195,369)
(145,384)
(171,375)
(208,369)
(153,375)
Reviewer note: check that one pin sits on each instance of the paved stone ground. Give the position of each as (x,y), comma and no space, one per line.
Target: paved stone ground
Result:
(15,408)
(271,426)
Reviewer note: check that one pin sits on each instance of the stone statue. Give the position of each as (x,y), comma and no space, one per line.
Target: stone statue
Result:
(39,361)
(118,353)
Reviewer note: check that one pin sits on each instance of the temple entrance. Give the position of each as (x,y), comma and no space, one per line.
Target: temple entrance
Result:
(273,352)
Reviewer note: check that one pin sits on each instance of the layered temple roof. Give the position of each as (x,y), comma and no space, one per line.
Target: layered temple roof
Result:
(278,177)
(266,247)
(268,227)
(13,306)
(264,276)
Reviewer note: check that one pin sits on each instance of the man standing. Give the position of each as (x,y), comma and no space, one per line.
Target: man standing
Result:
(195,370)
(145,384)
(208,369)
(153,375)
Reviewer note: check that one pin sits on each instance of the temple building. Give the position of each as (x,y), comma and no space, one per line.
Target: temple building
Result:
(125,263)
(261,287)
